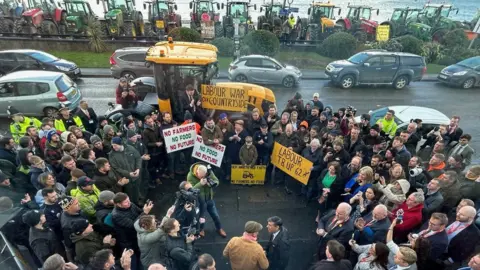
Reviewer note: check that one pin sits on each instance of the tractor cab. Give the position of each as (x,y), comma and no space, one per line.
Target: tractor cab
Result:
(122,18)
(51,22)
(237,10)
(78,16)
(360,12)
(436,10)
(161,18)
(204,10)
(317,11)
(272,10)
(401,19)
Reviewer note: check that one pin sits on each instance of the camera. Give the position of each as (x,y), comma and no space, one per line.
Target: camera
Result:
(415,171)
(187,196)
(350,111)
(210,181)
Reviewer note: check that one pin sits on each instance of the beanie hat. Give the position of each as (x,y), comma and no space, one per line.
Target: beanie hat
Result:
(187,116)
(65,135)
(66,202)
(79,226)
(50,134)
(366,116)
(3,177)
(106,195)
(375,127)
(11,111)
(253,227)
(32,217)
(94,139)
(116,140)
(107,128)
(223,116)
(304,123)
(131,133)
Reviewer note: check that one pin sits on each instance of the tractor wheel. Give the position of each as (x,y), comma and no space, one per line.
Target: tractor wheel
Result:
(314,34)
(18,26)
(340,27)
(229,31)
(360,36)
(218,30)
(62,29)
(178,20)
(7,26)
(48,28)
(104,27)
(129,29)
(149,33)
(438,35)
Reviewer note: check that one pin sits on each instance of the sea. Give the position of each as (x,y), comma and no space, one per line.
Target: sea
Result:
(467,8)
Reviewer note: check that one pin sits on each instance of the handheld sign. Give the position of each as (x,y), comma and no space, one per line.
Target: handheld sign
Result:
(210,154)
(224,98)
(291,163)
(179,137)
(245,175)
(383,33)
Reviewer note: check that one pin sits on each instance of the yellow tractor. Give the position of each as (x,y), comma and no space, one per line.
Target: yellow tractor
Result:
(321,21)
(178,64)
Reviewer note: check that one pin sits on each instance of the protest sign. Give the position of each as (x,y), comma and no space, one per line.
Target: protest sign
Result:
(179,137)
(224,98)
(291,163)
(210,154)
(246,175)
(207,30)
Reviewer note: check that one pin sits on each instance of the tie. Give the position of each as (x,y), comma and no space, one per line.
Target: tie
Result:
(87,114)
(458,148)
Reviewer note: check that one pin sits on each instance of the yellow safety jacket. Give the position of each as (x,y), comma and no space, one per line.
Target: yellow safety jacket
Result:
(19,129)
(291,21)
(60,126)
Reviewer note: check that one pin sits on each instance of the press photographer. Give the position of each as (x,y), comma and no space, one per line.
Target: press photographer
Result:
(203,178)
(187,209)
(416,175)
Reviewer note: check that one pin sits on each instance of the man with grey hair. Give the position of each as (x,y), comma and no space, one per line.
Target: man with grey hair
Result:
(373,227)
(56,262)
(314,154)
(335,226)
(279,127)
(411,211)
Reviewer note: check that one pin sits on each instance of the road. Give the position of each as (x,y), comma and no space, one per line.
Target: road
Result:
(238,204)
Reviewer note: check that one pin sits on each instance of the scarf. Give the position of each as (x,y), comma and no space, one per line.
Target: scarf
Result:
(440,166)
(248,236)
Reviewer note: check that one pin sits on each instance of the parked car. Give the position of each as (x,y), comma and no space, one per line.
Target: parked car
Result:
(37,93)
(465,74)
(130,63)
(16,60)
(263,70)
(377,67)
(431,118)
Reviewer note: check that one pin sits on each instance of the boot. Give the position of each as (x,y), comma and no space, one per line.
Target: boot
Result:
(222,233)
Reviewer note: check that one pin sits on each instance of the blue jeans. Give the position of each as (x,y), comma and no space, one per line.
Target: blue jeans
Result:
(209,206)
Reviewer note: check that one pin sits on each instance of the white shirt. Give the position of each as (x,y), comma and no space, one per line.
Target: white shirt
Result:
(275,235)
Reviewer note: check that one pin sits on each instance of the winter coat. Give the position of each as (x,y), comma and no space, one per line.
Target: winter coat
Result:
(278,250)
(87,166)
(248,156)
(364,261)
(227,126)
(102,211)
(151,135)
(469,189)
(412,218)
(451,195)
(123,222)
(206,192)
(87,245)
(125,162)
(267,146)
(233,146)
(178,242)
(9,155)
(66,221)
(71,185)
(52,216)
(273,120)
(107,181)
(275,129)
(43,242)
(316,159)
(290,141)
(392,198)
(64,175)
(403,157)
(53,154)
(152,245)
(59,188)
(245,254)
(35,173)
(208,135)
(254,125)
(87,201)
(433,203)
(388,127)
(351,148)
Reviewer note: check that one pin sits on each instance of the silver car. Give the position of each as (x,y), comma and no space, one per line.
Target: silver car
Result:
(130,62)
(38,93)
(263,70)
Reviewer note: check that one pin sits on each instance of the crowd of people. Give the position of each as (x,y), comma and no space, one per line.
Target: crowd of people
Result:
(77,188)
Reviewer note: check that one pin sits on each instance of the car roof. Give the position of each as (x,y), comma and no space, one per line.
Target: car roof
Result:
(20,51)
(130,49)
(385,52)
(31,75)
(428,115)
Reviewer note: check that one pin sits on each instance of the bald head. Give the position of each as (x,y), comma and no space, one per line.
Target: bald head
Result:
(380,212)
(157,266)
(466,214)
(289,129)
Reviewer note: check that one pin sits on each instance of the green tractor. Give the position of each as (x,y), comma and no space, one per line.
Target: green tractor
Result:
(162,18)
(10,10)
(434,20)
(237,11)
(122,19)
(401,19)
(272,19)
(79,14)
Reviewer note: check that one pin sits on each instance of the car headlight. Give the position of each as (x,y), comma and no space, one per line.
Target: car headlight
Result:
(460,73)
(63,68)
(334,69)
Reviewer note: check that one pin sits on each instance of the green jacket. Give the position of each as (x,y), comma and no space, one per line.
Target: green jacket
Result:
(206,192)
(19,129)
(389,127)
(87,245)
(87,201)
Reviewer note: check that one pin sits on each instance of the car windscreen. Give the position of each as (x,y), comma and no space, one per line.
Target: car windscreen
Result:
(470,62)
(358,58)
(44,57)
(64,83)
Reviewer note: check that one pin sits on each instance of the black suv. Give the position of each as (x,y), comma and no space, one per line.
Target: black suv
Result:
(377,67)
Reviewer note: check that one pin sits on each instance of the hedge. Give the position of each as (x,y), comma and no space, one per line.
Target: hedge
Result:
(185,34)
(262,42)
(339,45)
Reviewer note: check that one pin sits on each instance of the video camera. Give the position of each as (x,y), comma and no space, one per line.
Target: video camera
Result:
(187,196)
(350,111)
(210,181)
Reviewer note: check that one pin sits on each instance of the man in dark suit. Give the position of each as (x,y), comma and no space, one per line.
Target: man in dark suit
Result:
(462,149)
(453,130)
(462,235)
(374,227)
(433,199)
(434,231)
(88,117)
(335,226)
(278,247)
(191,102)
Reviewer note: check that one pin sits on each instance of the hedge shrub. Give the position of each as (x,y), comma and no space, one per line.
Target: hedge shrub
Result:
(432,51)
(224,45)
(262,42)
(185,34)
(391,45)
(410,44)
(338,45)
(455,38)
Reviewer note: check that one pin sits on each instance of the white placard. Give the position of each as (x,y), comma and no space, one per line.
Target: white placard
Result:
(210,154)
(207,30)
(179,137)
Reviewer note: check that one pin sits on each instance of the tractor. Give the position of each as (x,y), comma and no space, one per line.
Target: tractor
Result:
(45,17)
(204,18)
(272,19)
(401,19)
(434,21)
(358,22)
(79,13)
(161,18)
(122,19)
(10,10)
(320,23)
(237,10)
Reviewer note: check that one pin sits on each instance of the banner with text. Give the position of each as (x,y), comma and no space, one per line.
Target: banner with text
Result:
(210,154)
(246,175)
(179,137)
(291,163)
(224,98)
(207,30)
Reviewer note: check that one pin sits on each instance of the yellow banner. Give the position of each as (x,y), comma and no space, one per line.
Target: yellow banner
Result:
(291,163)
(246,175)
(224,98)
(383,32)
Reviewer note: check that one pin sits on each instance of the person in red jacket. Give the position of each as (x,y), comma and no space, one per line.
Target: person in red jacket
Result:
(412,216)
(121,88)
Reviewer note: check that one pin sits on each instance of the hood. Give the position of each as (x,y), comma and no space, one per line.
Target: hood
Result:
(100,206)
(22,156)
(455,68)
(76,238)
(64,136)
(290,67)
(404,184)
(113,13)
(370,23)
(341,63)
(64,63)
(139,229)
(31,12)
